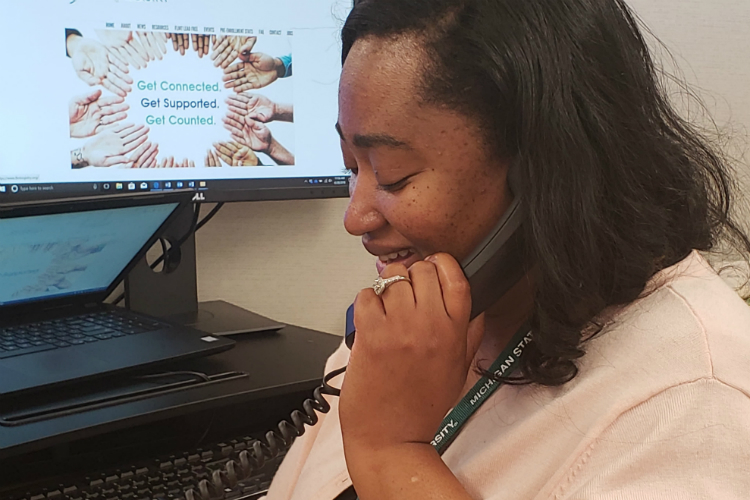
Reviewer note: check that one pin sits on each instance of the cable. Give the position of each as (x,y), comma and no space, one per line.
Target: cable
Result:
(209,216)
(165,252)
(275,441)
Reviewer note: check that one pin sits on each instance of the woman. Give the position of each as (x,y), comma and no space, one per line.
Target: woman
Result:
(635,382)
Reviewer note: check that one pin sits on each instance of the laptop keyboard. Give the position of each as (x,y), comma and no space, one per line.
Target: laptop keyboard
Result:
(76,330)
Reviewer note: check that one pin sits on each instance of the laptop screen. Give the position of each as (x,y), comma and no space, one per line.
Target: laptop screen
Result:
(55,255)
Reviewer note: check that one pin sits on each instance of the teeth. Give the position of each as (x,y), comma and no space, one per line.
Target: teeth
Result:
(394,255)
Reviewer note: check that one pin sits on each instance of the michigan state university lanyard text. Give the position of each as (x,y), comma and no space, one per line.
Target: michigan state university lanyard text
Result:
(503,366)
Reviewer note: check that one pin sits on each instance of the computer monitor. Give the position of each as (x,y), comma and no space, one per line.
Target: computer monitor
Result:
(236,99)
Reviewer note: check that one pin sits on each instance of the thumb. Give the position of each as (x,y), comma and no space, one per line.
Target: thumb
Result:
(474,338)
(90,97)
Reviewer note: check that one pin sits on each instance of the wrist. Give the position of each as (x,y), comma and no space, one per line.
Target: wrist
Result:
(409,467)
(71,44)
(273,148)
(279,67)
(279,153)
(78,158)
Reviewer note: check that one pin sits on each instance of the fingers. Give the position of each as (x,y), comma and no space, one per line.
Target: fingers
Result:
(110,101)
(140,51)
(150,48)
(425,284)
(138,152)
(88,78)
(132,56)
(235,128)
(118,56)
(368,308)
(115,84)
(235,119)
(454,286)
(167,162)
(234,72)
(224,152)
(244,157)
(211,159)
(88,98)
(115,160)
(147,155)
(132,134)
(246,84)
(400,294)
(247,47)
(112,118)
(237,104)
(180,42)
(111,109)
(159,41)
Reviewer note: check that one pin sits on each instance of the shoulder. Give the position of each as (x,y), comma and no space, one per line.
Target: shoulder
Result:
(670,374)
(691,326)
(689,441)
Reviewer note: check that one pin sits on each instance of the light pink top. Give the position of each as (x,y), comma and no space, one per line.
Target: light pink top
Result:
(659,410)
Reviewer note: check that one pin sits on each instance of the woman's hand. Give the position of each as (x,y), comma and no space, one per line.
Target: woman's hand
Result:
(407,368)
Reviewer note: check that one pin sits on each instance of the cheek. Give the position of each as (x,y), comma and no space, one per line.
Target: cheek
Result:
(432,219)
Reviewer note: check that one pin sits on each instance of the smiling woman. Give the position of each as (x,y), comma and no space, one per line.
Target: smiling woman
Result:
(618,358)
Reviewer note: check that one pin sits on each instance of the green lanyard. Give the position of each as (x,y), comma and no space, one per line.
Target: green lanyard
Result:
(506,362)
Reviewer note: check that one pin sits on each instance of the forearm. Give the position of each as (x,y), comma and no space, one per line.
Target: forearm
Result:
(280,154)
(413,471)
(284,113)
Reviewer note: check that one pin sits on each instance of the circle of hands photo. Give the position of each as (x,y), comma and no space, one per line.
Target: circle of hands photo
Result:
(102,118)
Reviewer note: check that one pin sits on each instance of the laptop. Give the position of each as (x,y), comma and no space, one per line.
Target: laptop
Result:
(59,261)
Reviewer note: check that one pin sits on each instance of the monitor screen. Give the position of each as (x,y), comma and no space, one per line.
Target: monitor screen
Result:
(53,255)
(236,99)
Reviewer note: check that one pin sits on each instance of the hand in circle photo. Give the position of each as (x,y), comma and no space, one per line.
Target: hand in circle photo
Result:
(114,146)
(236,155)
(90,112)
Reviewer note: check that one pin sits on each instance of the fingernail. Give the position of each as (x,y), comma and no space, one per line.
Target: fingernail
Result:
(431,258)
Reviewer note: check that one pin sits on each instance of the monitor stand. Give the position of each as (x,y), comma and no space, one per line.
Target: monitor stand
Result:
(172,291)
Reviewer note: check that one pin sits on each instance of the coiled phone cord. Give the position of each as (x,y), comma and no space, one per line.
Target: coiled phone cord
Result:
(276,441)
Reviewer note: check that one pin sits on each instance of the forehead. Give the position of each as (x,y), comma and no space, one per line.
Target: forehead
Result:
(380,81)
(380,93)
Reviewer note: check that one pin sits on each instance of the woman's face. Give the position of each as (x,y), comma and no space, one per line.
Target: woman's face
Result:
(423,180)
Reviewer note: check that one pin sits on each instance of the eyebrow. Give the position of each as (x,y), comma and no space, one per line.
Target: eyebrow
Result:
(374,140)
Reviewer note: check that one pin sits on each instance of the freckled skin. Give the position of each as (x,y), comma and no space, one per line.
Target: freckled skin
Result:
(457,190)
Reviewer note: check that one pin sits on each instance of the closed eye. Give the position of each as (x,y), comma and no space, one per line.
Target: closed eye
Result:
(395,186)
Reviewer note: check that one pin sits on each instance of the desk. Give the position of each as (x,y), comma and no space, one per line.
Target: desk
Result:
(282,370)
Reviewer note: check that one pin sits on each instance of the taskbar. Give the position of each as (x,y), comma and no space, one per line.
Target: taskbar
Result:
(206,190)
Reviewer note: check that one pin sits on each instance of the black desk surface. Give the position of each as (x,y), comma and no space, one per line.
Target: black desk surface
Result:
(278,364)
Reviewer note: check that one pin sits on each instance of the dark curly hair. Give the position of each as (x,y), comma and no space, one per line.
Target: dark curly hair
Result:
(616,186)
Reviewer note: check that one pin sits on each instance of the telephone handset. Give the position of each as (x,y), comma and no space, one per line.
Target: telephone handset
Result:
(492,269)
(495,265)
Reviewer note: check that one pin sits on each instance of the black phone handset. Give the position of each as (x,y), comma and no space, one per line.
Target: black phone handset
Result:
(492,269)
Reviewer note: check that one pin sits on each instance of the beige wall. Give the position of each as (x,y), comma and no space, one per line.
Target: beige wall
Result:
(293,261)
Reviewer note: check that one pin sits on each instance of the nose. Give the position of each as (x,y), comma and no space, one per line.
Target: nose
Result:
(362,215)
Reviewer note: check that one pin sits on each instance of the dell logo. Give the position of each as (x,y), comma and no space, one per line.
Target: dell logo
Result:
(199,197)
